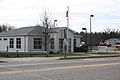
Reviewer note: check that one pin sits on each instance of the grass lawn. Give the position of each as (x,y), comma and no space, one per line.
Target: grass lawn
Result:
(69,55)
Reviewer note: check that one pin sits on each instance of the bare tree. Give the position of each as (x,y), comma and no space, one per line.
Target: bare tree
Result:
(6,27)
(46,30)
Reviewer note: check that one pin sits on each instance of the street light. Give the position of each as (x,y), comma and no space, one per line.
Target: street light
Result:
(91,33)
(85,34)
(54,22)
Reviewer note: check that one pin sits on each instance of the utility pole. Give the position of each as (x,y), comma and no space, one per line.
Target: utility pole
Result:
(91,33)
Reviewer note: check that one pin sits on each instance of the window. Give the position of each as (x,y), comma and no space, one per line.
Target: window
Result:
(11,43)
(0,39)
(61,45)
(74,44)
(37,43)
(18,43)
(69,45)
(5,39)
(52,43)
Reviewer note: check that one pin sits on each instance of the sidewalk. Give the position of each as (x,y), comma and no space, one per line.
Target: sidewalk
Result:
(60,57)
(28,59)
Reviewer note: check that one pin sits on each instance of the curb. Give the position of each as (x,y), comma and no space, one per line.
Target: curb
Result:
(84,57)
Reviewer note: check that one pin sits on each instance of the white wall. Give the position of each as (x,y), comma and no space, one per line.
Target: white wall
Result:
(71,36)
(26,43)
(78,42)
(60,34)
(31,44)
(5,43)
(56,36)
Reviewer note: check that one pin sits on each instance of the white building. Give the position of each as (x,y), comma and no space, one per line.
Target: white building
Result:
(27,39)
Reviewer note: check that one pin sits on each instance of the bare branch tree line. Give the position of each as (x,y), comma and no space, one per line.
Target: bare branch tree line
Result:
(98,37)
(6,27)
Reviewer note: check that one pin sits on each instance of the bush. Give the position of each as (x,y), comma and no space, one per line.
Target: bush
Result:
(51,52)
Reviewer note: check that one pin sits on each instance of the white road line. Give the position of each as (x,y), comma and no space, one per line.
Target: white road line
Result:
(40,76)
(60,68)
(11,68)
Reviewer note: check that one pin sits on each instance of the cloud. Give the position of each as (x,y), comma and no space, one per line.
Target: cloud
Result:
(27,12)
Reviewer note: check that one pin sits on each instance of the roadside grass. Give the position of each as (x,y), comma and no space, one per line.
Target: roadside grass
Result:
(92,55)
(34,54)
(84,57)
(67,54)
(22,54)
(77,55)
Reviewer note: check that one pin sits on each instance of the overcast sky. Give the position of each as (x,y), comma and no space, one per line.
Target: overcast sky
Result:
(22,13)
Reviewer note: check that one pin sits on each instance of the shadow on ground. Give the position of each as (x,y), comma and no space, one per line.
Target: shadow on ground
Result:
(3,61)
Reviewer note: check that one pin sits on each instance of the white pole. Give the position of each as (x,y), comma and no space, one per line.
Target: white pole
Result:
(67,15)
(67,28)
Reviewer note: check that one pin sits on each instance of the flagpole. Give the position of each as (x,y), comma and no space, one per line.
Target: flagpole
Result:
(66,38)
(67,26)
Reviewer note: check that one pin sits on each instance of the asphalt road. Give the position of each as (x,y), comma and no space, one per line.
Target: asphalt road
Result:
(53,69)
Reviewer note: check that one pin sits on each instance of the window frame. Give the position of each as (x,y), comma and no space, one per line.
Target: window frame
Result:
(61,46)
(52,43)
(18,43)
(37,43)
(11,43)
(69,45)
(5,39)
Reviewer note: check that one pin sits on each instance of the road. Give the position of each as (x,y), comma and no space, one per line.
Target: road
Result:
(53,69)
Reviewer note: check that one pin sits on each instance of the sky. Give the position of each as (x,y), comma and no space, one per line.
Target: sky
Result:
(23,13)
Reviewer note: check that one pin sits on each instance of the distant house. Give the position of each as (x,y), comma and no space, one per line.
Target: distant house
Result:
(112,41)
(27,39)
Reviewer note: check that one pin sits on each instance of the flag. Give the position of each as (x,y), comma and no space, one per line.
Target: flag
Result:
(67,13)
(65,33)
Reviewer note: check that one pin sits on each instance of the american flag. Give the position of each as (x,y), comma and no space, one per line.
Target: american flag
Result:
(67,13)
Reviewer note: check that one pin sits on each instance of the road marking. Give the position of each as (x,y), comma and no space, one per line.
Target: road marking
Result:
(41,77)
(11,68)
(102,59)
(69,67)
(60,68)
